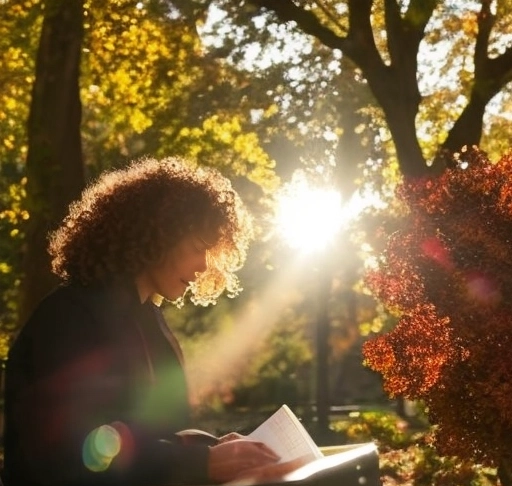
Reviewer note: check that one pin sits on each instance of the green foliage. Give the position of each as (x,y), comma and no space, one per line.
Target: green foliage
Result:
(149,87)
(11,226)
(406,454)
(280,368)
(224,144)
(387,429)
(20,23)
(19,27)
(420,465)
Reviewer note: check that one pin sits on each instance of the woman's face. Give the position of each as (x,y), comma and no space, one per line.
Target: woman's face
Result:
(171,276)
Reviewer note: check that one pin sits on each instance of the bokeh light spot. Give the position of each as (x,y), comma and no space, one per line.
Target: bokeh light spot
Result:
(482,288)
(100,447)
(434,249)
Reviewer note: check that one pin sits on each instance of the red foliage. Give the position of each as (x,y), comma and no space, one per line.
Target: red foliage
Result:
(447,272)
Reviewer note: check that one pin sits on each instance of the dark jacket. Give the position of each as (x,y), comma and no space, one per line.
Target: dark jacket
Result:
(91,357)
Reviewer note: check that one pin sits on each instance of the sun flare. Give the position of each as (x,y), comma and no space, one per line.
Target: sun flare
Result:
(308,217)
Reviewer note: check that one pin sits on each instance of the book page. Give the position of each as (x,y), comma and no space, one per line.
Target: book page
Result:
(284,433)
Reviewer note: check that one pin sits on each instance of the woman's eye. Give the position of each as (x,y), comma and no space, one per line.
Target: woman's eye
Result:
(198,246)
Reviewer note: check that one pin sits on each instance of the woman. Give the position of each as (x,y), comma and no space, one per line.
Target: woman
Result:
(95,388)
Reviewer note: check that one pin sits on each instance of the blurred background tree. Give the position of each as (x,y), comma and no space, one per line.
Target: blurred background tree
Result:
(19,36)
(432,67)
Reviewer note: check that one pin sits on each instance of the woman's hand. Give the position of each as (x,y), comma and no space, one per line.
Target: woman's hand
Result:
(233,458)
(231,436)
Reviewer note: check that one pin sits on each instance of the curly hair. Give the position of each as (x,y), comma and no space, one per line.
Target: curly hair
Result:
(129,217)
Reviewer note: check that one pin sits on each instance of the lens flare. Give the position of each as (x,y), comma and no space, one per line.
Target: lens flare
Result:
(482,288)
(100,447)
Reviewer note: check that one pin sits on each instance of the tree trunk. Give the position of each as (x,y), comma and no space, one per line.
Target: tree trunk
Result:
(322,347)
(55,173)
(467,130)
(402,127)
(505,473)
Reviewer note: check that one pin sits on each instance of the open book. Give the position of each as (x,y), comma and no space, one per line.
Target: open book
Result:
(303,463)
(284,434)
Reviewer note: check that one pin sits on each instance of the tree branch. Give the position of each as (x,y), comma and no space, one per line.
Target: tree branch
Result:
(287,11)
(394,30)
(357,45)
(361,46)
(329,14)
(491,75)
(418,16)
(485,22)
(500,69)
(405,34)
